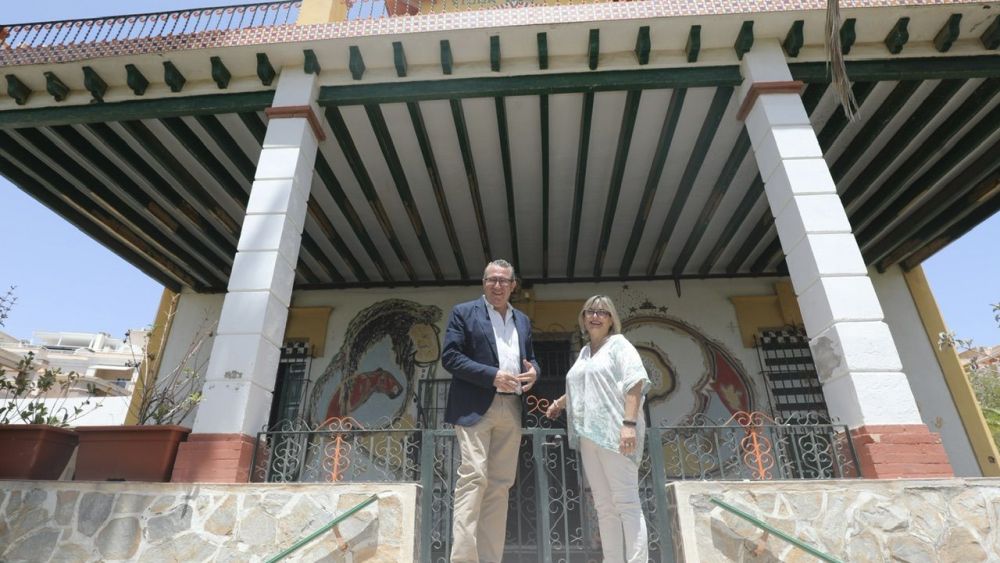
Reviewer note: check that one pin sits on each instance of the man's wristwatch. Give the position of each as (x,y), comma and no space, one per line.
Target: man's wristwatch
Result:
(627,422)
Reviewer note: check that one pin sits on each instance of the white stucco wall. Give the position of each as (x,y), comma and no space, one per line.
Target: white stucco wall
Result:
(921,367)
(194,312)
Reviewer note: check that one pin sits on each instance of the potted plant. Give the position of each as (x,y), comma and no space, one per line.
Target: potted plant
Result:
(35,411)
(146,449)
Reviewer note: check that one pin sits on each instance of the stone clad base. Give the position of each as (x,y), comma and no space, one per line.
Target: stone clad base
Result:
(940,520)
(160,522)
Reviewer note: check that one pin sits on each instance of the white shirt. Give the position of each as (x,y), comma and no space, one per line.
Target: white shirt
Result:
(595,391)
(505,335)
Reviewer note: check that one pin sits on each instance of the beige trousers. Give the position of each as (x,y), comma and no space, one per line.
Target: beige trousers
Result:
(489,465)
(614,480)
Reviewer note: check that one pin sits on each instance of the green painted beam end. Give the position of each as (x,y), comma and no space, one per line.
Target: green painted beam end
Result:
(744,39)
(794,39)
(220,74)
(543,51)
(848,35)
(356,63)
(446,59)
(991,37)
(136,80)
(265,71)
(310,63)
(495,53)
(693,46)
(594,48)
(17,90)
(56,87)
(94,84)
(173,77)
(948,34)
(399,58)
(643,45)
(898,36)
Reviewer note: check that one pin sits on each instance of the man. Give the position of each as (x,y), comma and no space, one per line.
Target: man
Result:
(488,351)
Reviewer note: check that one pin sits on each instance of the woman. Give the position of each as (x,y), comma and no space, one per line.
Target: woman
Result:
(604,391)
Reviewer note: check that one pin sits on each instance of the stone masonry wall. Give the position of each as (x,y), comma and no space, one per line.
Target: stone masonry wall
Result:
(953,520)
(79,521)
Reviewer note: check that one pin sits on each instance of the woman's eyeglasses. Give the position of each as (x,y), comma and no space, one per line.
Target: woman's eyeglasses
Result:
(602,313)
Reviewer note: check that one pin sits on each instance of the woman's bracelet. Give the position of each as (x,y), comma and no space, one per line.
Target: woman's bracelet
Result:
(627,422)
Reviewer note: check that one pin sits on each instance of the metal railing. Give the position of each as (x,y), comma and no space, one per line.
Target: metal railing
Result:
(551,510)
(144,26)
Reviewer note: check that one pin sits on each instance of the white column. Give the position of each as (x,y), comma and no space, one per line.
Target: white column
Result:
(241,371)
(855,355)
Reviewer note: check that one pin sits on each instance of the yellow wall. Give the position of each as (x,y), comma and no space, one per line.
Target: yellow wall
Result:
(758,312)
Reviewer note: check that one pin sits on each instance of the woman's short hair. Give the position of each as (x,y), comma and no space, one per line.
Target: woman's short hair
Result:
(601,302)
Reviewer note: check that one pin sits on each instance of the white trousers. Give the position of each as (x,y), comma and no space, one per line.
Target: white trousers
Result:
(614,480)
(489,466)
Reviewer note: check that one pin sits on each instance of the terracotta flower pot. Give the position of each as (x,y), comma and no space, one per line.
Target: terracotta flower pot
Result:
(34,451)
(128,453)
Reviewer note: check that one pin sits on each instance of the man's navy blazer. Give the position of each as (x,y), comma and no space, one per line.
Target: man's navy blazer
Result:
(470,355)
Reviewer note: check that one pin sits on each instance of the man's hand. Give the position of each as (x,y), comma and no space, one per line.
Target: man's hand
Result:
(528,378)
(506,382)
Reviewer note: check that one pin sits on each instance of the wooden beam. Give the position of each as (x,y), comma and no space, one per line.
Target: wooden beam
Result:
(465,147)
(173,77)
(582,153)
(508,179)
(663,143)
(991,37)
(848,35)
(629,115)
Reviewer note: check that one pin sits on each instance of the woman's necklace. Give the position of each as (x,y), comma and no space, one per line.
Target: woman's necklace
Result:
(594,348)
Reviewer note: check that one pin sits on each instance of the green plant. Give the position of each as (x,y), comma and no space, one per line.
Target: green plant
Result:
(170,397)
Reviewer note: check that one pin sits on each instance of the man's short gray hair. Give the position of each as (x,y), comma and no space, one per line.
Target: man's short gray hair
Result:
(501,263)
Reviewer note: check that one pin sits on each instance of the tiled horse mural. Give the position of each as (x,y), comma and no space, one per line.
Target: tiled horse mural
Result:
(388,347)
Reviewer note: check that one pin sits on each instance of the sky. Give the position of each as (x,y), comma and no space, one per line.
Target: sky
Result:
(65,281)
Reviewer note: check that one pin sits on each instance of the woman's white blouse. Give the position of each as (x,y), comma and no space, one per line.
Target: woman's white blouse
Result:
(595,394)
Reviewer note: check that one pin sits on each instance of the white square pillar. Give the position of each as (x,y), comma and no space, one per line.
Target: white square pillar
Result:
(855,355)
(239,381)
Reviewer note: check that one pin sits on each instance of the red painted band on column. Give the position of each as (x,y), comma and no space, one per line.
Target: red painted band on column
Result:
(285,112)
(758,88)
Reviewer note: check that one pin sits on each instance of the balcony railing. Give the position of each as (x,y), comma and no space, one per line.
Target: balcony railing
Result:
(144,26)
(552,512)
